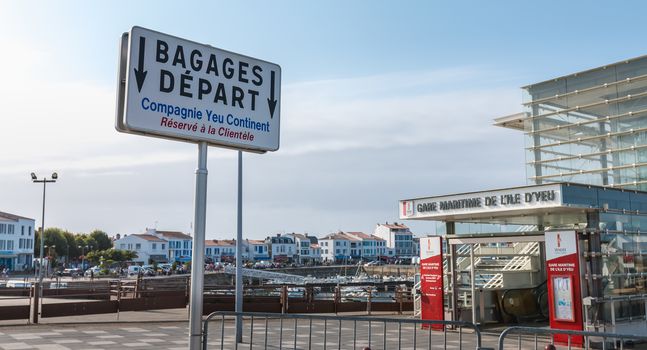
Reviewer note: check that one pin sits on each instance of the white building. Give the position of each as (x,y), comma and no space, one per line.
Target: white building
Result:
(282,248)
(304,251)
(257,250)
(149,248)
(180,245)
(315,253)
(335,247)
(220,250)
(397,236)
(16,242)
(366,246)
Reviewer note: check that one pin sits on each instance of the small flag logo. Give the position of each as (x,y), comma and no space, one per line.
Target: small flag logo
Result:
(407,208)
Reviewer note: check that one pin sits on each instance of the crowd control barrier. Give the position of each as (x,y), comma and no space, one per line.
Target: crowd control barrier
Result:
(538,338)
(299,331)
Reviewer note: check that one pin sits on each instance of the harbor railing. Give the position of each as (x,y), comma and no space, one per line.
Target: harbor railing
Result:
(299,331)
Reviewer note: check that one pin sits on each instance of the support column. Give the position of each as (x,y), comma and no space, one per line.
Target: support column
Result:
(453,302)
(595,249)
(197,259)
(473,283)
(542,258)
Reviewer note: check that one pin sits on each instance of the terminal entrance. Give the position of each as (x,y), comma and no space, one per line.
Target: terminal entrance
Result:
(566,255)
(496,280)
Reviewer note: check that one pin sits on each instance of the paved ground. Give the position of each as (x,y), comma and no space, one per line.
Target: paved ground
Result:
(134,332)
(95,336)
(168,329)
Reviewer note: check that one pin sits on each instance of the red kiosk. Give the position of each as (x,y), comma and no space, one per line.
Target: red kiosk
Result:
(431,280)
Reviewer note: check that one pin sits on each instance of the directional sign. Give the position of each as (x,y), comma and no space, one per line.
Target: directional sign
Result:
(175,88)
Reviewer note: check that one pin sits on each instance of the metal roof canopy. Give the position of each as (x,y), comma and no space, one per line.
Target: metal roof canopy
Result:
(563,204)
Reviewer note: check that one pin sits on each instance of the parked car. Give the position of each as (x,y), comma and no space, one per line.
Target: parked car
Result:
(93,271)
(133,270)
(18,284)
(74,272)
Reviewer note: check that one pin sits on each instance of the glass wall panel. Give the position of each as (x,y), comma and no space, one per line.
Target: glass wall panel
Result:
(579,123)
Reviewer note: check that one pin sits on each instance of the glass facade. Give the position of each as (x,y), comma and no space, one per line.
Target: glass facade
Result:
(589,127)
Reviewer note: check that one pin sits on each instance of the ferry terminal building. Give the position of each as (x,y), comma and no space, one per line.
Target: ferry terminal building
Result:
(570,247)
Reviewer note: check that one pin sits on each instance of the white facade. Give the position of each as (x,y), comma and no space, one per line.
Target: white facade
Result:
(304,252)
(367,247)
(257,250)
(180,245)
(148,247)
(398,237)
(220,250)
(335,247)
(282,248)
(16,242)
(315,253)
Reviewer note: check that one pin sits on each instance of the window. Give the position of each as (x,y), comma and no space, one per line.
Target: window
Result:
(3,228)
(138,246)
(163,246)
(22,230)
(154,246)
(29,231)
(3,244)
(10,229)
(9,245)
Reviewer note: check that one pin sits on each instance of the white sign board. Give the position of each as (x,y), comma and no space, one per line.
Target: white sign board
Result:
(560,243)
(430,246)
(521,198)
(179,89)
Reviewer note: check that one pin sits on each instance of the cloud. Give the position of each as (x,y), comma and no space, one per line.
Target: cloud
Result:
(384,111)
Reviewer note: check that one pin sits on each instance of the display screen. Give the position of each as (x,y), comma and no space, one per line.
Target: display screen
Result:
(563,301)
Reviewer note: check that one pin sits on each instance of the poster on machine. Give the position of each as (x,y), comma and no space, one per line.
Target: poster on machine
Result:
(564,292)
(431,280)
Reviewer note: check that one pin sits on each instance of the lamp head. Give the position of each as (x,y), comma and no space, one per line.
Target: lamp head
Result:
(33,176)
(54,176)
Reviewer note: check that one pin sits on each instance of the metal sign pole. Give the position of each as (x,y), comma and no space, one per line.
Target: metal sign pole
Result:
(239,253)
(197,260)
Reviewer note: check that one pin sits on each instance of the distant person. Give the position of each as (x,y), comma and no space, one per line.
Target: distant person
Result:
(5,273)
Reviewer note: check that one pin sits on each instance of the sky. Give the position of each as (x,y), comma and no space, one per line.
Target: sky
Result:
(381,101)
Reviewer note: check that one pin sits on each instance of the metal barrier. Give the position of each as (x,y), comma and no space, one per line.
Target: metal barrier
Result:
(298,331)
(591,340)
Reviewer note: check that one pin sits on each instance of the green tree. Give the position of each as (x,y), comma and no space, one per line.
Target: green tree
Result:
(101,238)
(114,255)
(55,241)
(84,240)
(72,251)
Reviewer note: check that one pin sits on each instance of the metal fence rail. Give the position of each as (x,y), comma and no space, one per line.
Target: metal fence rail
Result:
(308,332)
(538,338)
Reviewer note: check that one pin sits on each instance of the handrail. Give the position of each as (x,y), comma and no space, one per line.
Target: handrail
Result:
(569,333)
(457,324)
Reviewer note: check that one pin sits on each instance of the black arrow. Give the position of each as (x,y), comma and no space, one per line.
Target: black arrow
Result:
(271,102)
(140,73)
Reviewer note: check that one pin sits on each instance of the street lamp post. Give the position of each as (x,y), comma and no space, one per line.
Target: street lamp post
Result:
(44,181)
